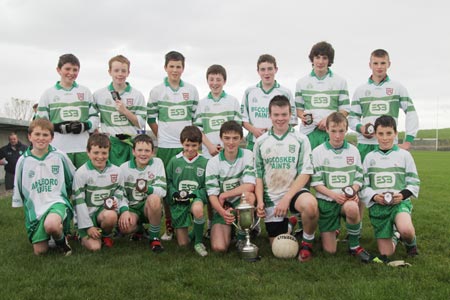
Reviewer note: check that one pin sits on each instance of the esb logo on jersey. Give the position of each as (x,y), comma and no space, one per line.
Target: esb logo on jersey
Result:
(177,112)
(379,107)
(70,113)
(216,122)
(118,119)
(320,100)
(339,179)
(384,180)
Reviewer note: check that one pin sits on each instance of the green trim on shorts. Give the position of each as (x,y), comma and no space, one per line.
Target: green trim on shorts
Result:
(317,137)
(181,214)
(139,210)
(83,232)
(39,234)
(364,149)
(329,215)
(382,217)
(218,219)
(78,159)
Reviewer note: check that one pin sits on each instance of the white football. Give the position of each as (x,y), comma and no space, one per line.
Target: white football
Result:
(285,246)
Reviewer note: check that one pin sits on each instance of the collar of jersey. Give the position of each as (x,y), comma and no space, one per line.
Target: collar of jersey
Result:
(329,73)
(386,79)
(133,164)
(58,86)
(28,152)
(180,155)
(275,85)
(329,147)
(166,83)
(290,129)
(90,166)
(222,95)
(394,148)
(223,158)
(127,89)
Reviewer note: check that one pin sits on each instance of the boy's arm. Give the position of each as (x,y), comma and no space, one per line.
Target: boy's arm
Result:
(344,106)
(411,118)
(93,118)
(80,206)
(122,109)
(159,186)
(17,198)
(412,178)
(354,120)
(152,111)
(43,110)
(294,119)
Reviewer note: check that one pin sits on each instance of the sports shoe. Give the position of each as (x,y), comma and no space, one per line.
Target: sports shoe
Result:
(200,249)
(412,251)
(51,243)
(168,235)
(207,234)
(305,253)
(108,241)
(156,246)
(64,247)
(362,254)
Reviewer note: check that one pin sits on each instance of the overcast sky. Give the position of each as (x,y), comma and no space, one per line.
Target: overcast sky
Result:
(233,33)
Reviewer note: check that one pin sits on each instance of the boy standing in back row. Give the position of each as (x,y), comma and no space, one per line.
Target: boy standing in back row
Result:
(255,103)
(173,103)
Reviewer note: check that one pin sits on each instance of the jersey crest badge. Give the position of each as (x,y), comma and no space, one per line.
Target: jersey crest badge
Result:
(55,169)
(80,96)
(129,101)
(291,148)
(31,174)
(151,176)
(350,160)
(178,170)
(200,172)
(389,91)
(114,178)
(185,96)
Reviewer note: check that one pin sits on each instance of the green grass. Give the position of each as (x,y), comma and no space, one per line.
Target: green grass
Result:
(131,271)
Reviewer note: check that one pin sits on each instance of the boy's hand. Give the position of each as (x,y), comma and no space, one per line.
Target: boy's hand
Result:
(125,221)
(228,216)
(78,127)
(214,149)
(94,233)
(363,130)
(322,124)
(257,132)
(260,211)
(282,208)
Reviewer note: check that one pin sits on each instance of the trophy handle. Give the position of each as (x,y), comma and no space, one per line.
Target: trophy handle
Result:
(256,224)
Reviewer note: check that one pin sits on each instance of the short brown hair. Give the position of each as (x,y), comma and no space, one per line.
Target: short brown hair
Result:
(266,58)
(217,69)
(98,139)
(120,58)
(68,59)
(191,134)
(337,118)
(44,124)
(322,48)
(143,138)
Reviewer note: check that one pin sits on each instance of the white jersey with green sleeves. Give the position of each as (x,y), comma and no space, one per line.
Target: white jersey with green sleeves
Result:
(392,171)
(91,187)
(212,113)
(255,106)
(279,160)
(372,100)
(336,168)
(321,97)
(153,173)
(113,122)
(41,182)
(174,109)
(223,175)
(61,105)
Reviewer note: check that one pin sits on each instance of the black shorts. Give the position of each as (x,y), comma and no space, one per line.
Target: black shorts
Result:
(292,204)
(276,228)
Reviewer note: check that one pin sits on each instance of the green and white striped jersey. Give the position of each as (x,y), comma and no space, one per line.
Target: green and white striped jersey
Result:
(392,171)
(174,109)
(60,105)
(113,122)
(153,173)
(279,160)
(212,113)
(336,168)
(255,106)
(321,97)
(41,182)
(223,175)
(91,187)
(371,101)
(188,175)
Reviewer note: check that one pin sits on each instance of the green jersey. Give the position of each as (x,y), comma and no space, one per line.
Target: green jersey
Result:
(391,171)
(42,182)
(154,175)
(187,175)
(91,187)
(61,105)
(336,168)
(113,122)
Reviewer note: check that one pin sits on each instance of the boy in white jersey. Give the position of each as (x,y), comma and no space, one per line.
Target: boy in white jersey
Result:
(145,187)
(255,103)
(69,107)
(98,191)
(173,103)
(212,111)
(122,108)
(186,189)
(337,180)
(319,94)
(229,175)
(390,180)
(43,187)
(380,96)
(283,169)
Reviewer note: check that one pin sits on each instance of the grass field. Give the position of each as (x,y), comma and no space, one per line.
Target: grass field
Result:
(131,271)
